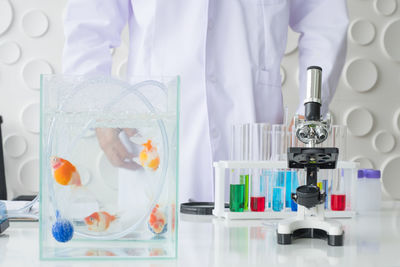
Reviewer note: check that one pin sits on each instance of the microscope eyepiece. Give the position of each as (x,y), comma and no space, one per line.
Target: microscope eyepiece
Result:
(312,103)
(314,67)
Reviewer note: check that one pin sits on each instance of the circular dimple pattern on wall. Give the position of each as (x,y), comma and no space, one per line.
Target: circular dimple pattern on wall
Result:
(362,32)
(383,142)
(292,41)
(32,70)
(10,52)
(283,75)
(365,163)
(390,177)
(6,15)
(30,117)
(385,7)
(361,75)
(391,40)
(359,121)
(35,23)
(107,172)
(15,146)
(29,175)
(396,121)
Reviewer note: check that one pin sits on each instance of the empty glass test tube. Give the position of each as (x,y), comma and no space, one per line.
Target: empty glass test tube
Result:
(337,138)
(239,178)
(259,152)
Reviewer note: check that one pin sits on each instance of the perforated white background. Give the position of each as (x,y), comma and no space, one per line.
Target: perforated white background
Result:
(367,99)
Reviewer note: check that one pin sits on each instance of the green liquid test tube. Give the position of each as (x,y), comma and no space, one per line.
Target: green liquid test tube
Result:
(236,199)
(244,180)
(239,178)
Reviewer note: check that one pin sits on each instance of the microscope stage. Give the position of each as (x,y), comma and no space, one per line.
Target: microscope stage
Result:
(320,157)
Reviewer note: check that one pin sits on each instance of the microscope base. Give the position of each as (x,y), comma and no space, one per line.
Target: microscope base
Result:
(306,226)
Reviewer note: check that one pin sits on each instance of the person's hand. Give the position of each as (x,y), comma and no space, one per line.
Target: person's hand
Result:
(115,151)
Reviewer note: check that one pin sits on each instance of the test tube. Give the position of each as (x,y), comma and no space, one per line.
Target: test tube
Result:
(337,138)
(293,187)
(292,179)
(322,184)
(338,196)
(239,178)
(278,152)
(259,151)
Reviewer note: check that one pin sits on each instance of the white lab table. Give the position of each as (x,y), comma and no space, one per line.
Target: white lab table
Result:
(371,239)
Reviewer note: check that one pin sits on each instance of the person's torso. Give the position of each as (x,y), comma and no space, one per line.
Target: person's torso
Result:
(228,54)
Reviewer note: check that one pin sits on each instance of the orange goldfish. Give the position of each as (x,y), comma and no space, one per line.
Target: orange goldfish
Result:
(99,221)
(157,252)
(64,172)
(149,157)
(99,252)
(157,221)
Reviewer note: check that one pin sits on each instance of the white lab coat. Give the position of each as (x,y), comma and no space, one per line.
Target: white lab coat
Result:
(227,52)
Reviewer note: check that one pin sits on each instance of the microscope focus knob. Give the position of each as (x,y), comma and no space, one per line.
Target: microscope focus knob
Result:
(308,196)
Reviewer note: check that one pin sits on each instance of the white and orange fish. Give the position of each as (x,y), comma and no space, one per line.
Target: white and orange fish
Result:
(64,172)
(157,252)
(99,221)
(157,221)
(99,252)
(149,157)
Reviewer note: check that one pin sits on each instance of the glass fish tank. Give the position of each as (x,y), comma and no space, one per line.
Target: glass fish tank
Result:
(108,167)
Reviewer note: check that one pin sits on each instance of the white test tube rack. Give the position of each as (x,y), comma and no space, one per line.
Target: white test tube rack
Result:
(219,192)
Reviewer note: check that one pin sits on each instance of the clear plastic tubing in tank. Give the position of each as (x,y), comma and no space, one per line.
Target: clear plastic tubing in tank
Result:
(130,89)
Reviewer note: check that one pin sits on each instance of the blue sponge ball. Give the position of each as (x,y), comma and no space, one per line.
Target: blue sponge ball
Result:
(62,230)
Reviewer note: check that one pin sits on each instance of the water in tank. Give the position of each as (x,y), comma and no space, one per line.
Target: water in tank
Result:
(108,167)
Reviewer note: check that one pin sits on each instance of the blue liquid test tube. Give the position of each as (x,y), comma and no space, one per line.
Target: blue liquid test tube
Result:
(294,185)
(278,190)
(279,143)
(288,188)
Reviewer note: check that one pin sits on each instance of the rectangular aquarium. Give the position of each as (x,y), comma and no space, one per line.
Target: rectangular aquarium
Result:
(108,167)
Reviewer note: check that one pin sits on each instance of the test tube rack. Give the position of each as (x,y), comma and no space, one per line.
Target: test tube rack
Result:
(221,168)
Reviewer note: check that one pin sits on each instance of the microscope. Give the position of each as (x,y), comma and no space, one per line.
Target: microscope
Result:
(310,221)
